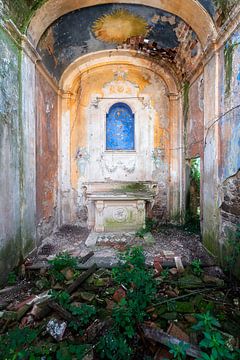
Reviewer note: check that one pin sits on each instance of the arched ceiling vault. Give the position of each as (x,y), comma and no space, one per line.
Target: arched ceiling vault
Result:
(152,32)
(69,79)
(191,11)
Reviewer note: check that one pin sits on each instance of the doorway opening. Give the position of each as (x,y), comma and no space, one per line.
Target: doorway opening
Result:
(193,182)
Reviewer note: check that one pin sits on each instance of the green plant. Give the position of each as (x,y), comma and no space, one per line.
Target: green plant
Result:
(69,351)
(130,311)
(196,266)
(195,171)
(15,344)
(165,274)
(134,275)
(213,341)
(206,322)
(149,226)
(179,350)
(62,297)
(114,346)
(61,262)
(82,314)
(12,278)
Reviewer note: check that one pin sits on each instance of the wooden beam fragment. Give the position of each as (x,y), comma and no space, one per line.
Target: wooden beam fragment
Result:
(81,279)
(165,339)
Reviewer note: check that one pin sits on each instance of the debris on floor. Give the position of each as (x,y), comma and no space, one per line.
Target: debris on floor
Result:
(137,309)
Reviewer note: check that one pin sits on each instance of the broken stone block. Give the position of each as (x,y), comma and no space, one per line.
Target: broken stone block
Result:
(56,329)
(213,280)
(103,273)
(101,282)
(177,332)
(189,282)
(173,271)
(179,264)
(38,299)
(169,316)
(168,254)
(8,315)
(149,239)
(87,296)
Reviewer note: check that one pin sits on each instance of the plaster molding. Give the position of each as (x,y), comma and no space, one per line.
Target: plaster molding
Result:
(22,41)
(24,44)
(213,48)
(70,78)
(48,77)
(193,13)
(13,32)
(229,27)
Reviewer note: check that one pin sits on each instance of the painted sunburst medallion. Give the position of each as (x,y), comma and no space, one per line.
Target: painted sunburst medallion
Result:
(119,26)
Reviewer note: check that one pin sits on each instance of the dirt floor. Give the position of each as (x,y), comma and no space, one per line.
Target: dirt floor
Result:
(72,239)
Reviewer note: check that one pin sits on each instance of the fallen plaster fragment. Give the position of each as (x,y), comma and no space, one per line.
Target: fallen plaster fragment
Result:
(38,299)
(56,329)
(179,264)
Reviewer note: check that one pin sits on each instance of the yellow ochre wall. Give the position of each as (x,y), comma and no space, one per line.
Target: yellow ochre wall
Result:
(93,81)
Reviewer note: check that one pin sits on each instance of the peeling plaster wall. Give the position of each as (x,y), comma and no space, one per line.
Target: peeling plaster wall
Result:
(194,137)
(46,156)
(229,140)
(10,218)
(221,188)
(210,199)
(17,154)
(195,124)
(150,86)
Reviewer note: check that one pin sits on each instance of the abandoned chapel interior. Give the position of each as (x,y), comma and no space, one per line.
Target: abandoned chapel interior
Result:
(114,112)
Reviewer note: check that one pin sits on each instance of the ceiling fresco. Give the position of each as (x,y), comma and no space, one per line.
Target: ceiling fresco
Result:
(150,31)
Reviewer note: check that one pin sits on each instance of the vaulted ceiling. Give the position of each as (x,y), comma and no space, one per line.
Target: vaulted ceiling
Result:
(174,31)
(149,31)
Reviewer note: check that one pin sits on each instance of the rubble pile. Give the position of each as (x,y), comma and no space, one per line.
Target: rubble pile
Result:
(133,311)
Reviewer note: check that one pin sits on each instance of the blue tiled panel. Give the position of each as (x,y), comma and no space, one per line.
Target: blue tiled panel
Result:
(120,128)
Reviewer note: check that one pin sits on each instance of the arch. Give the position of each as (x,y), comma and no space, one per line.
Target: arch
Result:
(69,79)
(69,90)
(191,11)
(120,134)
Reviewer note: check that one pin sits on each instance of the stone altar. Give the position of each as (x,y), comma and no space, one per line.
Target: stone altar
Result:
(118,211)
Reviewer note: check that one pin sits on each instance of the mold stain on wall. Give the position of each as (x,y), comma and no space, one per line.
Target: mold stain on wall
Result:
(10,221)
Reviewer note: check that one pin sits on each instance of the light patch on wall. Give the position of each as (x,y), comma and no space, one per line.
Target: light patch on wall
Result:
(119,26)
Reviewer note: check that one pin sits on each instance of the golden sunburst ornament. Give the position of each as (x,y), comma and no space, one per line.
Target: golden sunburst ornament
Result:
(119,26)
